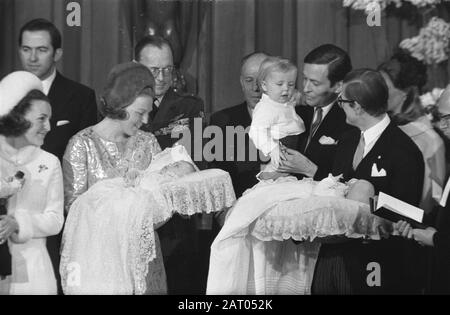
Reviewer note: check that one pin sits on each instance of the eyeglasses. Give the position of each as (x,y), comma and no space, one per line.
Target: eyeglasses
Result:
(341,101)
(443,121)
(165,71)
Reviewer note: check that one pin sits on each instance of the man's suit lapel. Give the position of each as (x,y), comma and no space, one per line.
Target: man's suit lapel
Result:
(378,150)
(164,108)
(244,118)
(346,161)
(328,124)
(58,95)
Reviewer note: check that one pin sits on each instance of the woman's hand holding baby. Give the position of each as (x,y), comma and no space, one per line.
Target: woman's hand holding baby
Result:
(132,177)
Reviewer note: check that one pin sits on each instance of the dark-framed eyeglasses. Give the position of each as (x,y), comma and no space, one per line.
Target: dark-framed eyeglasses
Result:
(443,121)
(165,71)
(341,101)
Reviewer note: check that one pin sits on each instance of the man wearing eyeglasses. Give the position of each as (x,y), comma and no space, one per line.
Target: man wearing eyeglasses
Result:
(379,152)
(441,117)
(171,110)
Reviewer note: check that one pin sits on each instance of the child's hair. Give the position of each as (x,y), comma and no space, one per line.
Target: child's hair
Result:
(273,64)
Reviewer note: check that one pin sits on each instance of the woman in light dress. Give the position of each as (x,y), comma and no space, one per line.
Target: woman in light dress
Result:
(108,150)
(35,211)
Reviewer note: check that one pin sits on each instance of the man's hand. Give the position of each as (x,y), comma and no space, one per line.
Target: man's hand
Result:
(294,162)
(424,236)
(403,229)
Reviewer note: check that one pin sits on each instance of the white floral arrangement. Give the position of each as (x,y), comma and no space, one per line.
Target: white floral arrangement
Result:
(369,5)
(424,3)
(429,101)
(11,184)
(431,45)
(431,98)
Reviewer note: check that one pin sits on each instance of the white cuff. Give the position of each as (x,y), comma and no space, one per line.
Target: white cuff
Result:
(25,232)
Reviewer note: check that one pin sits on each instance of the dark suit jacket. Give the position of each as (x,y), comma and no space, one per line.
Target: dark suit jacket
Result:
(394,152)
(175,108)
(72,102)
(440,262)
(333,126)
(242,170)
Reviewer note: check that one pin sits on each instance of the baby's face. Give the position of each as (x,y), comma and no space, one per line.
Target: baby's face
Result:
(361,190)
(179,168)
(279,86)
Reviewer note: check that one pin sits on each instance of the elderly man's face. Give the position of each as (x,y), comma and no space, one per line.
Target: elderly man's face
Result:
(37,54)
(317,88)
(160,62)
(443,109)
(249,74)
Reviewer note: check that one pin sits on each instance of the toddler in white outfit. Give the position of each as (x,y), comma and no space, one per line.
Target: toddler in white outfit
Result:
(275,123)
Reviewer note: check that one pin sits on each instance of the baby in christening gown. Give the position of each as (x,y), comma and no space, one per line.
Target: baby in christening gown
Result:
(276,210)
(118,216)
(355,189)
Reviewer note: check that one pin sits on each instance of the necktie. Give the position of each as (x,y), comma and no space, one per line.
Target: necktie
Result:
(155,108)
(315,125)
(359,153)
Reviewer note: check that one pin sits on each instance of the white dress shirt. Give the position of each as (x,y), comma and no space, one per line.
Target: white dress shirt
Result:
(372,134)
(47,83)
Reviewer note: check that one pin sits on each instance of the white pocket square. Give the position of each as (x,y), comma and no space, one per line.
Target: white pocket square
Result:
(376,172)
(62,123)
(324,140)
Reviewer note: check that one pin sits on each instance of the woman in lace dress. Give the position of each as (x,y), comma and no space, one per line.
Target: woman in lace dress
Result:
(112,147)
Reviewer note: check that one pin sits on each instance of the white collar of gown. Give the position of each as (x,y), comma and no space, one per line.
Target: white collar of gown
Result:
(18,157)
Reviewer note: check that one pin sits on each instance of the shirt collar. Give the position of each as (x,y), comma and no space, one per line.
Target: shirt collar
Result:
(15,156)
(47,83)
(266,99)
(158,100)
(326,109)
(375,131)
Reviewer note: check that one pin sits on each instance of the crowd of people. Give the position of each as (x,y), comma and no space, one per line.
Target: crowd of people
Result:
(362,124)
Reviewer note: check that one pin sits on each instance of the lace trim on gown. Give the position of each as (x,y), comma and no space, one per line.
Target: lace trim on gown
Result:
(318,217)
(109,238)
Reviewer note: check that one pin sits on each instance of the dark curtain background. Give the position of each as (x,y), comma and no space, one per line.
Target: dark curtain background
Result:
(214,36)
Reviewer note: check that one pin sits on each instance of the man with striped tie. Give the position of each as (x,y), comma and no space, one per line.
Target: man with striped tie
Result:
(323,71)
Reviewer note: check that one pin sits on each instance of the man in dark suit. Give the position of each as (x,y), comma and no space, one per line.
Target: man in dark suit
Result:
(180,239)
(382,154)
(73,104)
(171,110)
(323,71)
(242,162)
(438,237)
